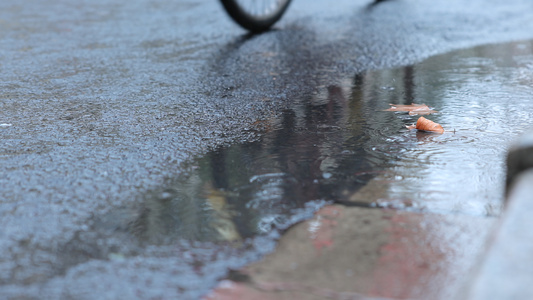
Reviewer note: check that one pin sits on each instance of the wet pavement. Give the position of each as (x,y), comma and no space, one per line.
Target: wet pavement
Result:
(143,158)
(357,253)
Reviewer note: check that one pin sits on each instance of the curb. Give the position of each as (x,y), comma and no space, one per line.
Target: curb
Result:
(506,271)
(519,158)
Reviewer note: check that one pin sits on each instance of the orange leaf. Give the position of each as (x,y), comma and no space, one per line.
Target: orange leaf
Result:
(427,125)
(413,109)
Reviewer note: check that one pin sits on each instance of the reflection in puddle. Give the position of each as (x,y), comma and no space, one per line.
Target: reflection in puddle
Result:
(248,189)
(338,145)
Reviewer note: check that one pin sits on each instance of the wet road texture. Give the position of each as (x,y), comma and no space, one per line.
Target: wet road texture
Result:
(150,146)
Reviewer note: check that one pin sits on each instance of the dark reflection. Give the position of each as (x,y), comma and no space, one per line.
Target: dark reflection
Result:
(323,148)
(409,84)
(311,155)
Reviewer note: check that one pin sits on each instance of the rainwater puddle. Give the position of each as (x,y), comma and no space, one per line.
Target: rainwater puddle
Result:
(338,145)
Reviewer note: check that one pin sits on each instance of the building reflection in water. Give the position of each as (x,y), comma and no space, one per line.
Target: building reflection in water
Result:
(323,148)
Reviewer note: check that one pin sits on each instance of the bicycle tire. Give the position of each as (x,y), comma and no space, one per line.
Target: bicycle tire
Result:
(255,21)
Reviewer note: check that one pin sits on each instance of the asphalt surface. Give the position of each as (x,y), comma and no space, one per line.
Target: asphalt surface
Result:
(102,102)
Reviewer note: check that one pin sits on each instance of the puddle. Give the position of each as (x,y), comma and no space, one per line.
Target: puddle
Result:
(244,190)
(329,145)
(338,145)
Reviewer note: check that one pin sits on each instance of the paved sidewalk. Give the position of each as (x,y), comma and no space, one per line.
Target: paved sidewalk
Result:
(365,253)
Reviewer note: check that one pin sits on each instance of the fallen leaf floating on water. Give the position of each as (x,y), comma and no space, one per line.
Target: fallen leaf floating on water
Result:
(403,107)
(428,111)
(413,109)
(427,125)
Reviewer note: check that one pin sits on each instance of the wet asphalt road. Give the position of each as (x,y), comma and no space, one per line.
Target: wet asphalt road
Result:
(102,102)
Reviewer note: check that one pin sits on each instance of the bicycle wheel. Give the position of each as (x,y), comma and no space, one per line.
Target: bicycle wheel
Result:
(255,15)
